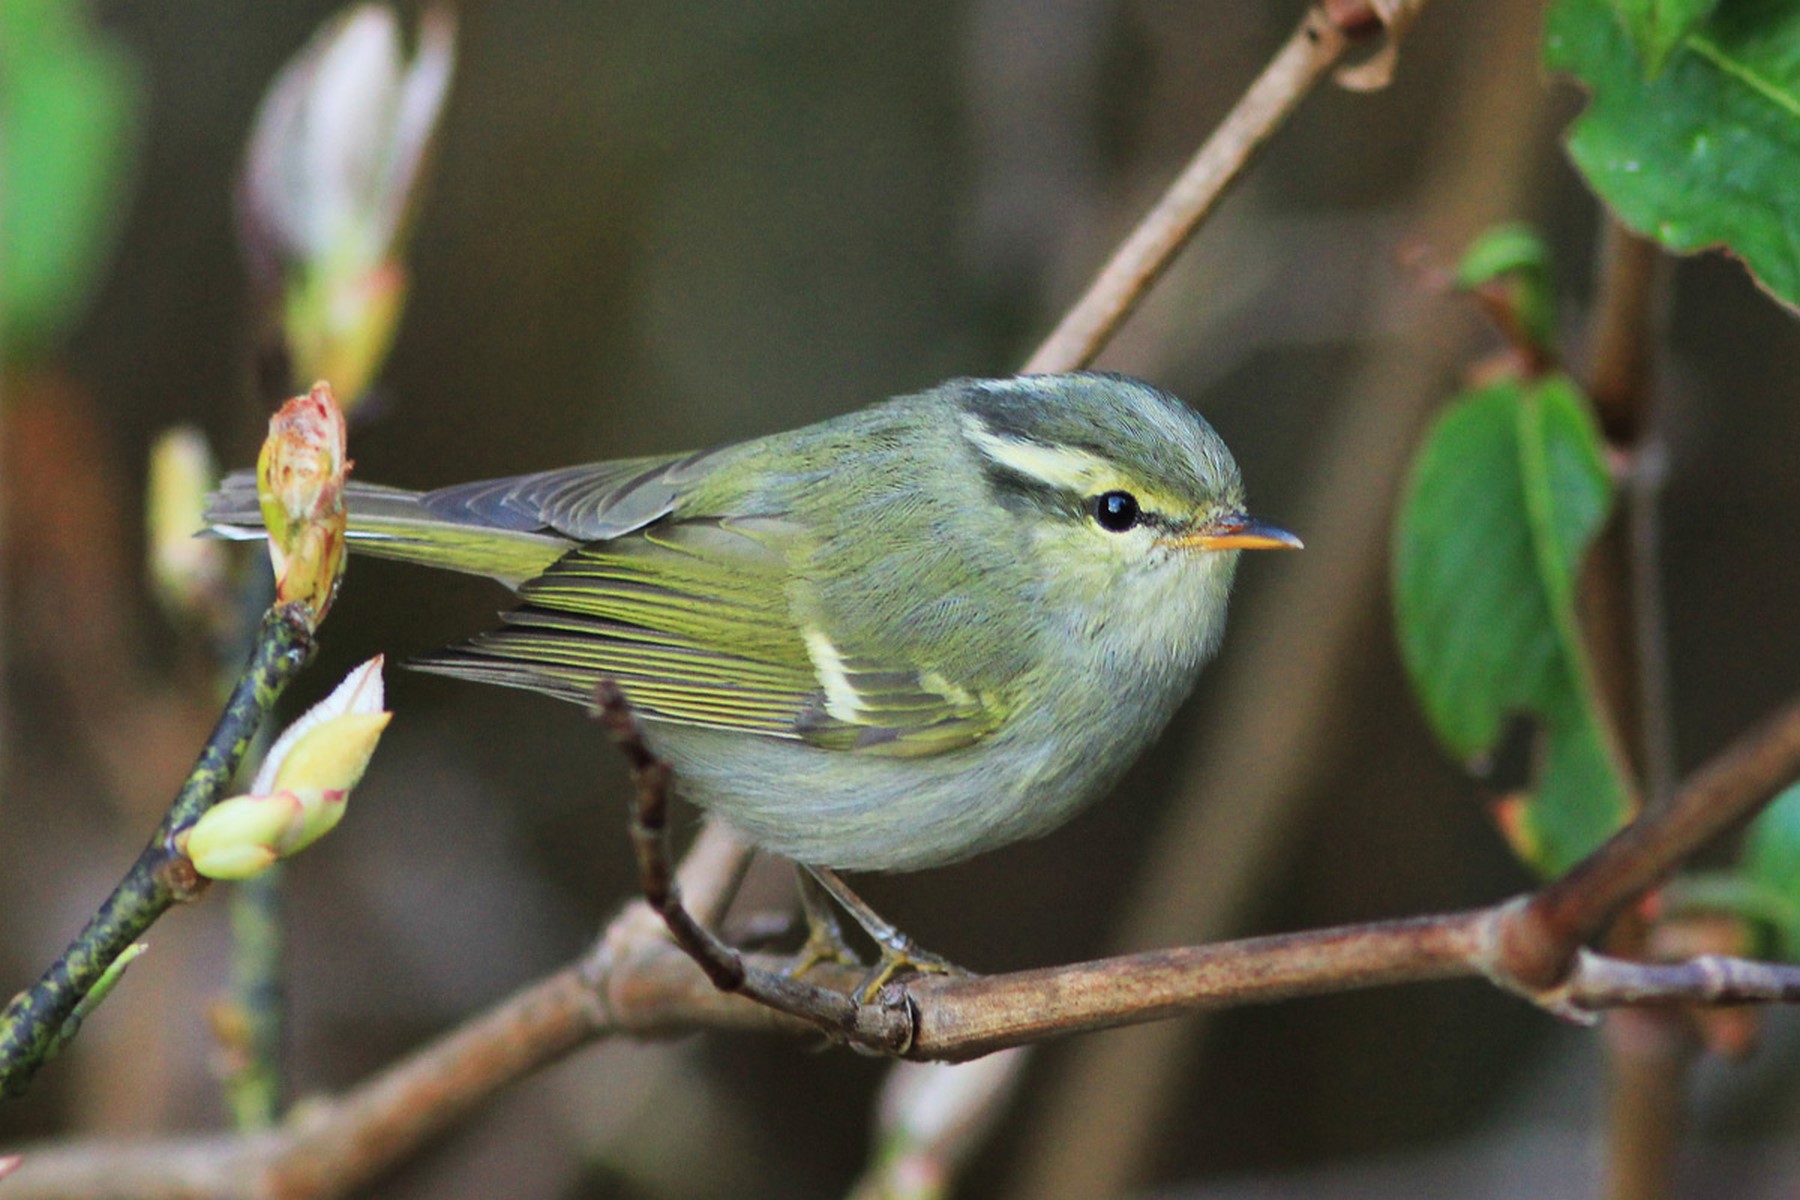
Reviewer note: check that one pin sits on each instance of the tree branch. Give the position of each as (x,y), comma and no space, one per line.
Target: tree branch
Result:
(33,1024)
(1325,33)
(638,983)
(1575,908)
(1647,1051)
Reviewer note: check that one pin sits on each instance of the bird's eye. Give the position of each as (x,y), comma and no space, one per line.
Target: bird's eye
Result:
(1116,511)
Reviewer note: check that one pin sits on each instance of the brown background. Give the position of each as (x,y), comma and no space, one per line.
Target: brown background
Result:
(658,225)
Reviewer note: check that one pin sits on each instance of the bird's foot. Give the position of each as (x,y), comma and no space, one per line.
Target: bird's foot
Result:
(820,948)
(824,936)
(903,958)
(900,955)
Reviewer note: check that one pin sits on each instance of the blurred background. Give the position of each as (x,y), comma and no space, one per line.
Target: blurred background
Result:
(652,227)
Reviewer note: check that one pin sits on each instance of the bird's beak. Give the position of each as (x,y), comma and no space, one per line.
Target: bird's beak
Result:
(1236,531)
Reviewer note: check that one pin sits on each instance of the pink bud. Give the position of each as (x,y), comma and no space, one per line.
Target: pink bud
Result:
(300,484)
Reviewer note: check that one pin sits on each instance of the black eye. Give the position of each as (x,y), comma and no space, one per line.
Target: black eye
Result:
(1116,511)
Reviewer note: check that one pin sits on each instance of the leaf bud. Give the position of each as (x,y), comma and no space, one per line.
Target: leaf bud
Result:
(300,484)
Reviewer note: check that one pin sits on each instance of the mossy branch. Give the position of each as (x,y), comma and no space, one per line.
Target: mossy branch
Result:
(35,1023)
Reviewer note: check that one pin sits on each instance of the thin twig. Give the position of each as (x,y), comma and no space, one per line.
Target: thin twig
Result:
(249,1024)
(963,1017)
(1323,36)
(1621,583)
(1602,982)
(1630,310)
(1648,1052)
(1626,323)
(874,1026)
(1275,728)
(161,876)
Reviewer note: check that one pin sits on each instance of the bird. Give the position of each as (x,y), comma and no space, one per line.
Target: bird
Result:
(890,640)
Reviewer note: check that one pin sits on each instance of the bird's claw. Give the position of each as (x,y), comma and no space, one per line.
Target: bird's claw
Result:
(895,961)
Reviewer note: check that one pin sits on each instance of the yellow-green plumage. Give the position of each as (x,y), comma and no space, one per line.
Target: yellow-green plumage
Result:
(892,639)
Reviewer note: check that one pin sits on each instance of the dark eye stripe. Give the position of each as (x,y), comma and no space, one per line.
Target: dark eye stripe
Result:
(1022,493)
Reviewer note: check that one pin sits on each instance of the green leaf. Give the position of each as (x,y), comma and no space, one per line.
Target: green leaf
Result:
(1771,914)
(1503,250)
(1660,26)
(102,988)
(1763,889)
(67,104)
(1772,862)
(1516,256)
(1707,152)
(1504,498)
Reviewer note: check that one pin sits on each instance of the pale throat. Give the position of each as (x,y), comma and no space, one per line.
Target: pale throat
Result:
(1162,612)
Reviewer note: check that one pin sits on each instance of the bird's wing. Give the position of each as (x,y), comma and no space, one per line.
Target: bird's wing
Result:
(866,705)
(585,504)
(692,618)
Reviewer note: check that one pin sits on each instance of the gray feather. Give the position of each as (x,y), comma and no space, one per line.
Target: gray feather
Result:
(589,503)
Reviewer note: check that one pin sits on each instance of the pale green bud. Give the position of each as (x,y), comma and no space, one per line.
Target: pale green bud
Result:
(321,756)
(241,837)
(188,573)
(300,792)
(323,765)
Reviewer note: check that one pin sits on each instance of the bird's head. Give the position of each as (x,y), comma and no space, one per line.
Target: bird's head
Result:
(1132,504)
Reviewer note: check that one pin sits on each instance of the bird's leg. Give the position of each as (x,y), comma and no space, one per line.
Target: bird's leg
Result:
(824,936)
(899,953)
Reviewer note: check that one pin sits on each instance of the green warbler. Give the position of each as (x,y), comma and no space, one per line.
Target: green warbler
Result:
(886,641)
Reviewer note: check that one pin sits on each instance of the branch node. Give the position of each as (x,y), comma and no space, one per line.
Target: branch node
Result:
(1519,950)
(1360,20)
(178,876)
(1354,19)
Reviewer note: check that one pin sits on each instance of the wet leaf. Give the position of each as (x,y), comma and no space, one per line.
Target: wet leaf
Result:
(1704,153)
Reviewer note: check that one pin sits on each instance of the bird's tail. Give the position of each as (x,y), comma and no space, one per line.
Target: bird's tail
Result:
(390,522)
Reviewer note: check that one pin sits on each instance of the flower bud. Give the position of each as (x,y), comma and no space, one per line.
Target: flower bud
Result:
(300,485)
(188,573)
(323,765)
(330,179)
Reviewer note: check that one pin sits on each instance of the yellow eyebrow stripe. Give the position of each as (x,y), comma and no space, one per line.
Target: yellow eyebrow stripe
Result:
(1064,467)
